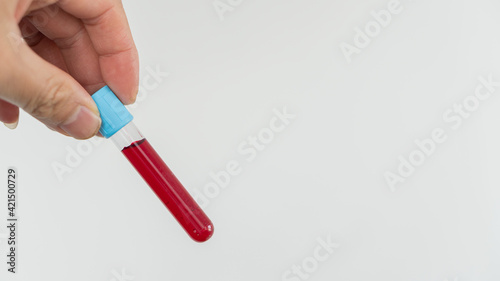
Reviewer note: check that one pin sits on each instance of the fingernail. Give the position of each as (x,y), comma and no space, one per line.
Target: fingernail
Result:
(83,124)
(11,126)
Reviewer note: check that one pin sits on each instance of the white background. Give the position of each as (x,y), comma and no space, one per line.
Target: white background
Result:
(323,176)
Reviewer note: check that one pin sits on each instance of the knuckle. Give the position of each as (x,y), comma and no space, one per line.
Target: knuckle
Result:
(50,102)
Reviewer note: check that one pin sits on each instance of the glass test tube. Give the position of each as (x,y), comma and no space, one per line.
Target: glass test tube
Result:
(117,124)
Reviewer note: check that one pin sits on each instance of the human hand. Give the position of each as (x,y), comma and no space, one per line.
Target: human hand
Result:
(71,48)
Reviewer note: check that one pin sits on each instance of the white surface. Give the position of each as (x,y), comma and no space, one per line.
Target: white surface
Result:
(323,175)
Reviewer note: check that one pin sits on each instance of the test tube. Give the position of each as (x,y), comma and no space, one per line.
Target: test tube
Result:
(118,126)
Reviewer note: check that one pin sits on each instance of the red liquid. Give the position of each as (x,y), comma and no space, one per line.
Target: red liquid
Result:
(170,191)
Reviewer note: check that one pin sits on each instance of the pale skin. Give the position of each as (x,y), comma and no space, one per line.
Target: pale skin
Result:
(55,54)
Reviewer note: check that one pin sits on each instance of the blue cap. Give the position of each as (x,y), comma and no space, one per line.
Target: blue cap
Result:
(114,115)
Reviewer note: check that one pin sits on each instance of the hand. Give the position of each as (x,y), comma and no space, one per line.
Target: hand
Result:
(53,53)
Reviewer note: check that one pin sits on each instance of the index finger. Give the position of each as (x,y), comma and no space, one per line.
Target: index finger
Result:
(107,26)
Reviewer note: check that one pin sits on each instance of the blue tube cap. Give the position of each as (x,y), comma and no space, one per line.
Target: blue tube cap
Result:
(114,115)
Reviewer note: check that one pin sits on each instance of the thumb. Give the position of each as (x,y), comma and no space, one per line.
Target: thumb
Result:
(46,92)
